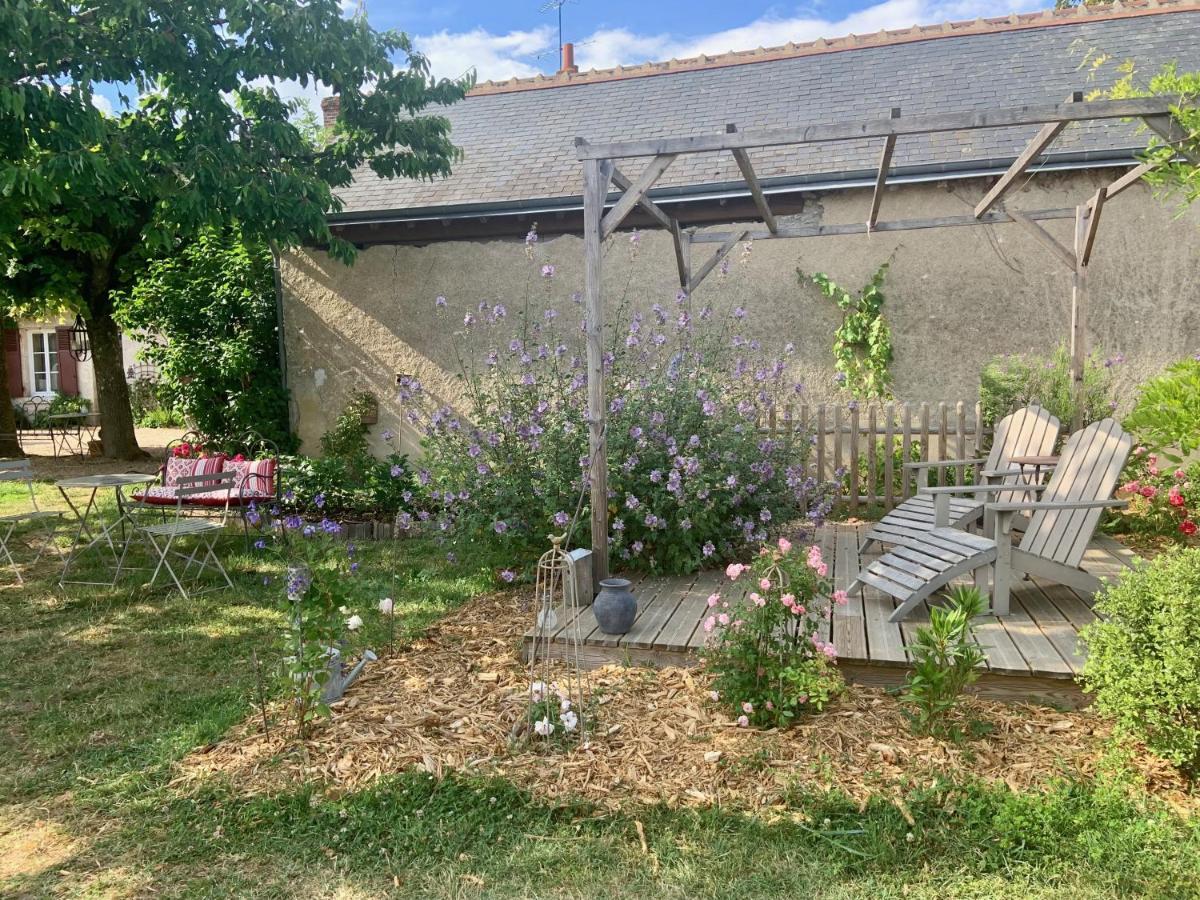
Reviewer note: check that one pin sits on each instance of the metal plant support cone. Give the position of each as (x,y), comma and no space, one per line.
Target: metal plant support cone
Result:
(555,672)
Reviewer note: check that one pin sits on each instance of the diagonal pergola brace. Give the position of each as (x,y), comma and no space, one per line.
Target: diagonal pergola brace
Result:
(1128,180)
(622,181)
(1032,151)
(760,199)
(1046,238)
(1088,239)
(885,163)
(712,261)
(635,193)
(1172,134)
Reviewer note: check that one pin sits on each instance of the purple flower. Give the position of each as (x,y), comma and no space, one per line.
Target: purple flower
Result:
(397,471)
(319,501)
(561,519)
(500,527)
(739,313)
(440,302)
(548,271)
(708,549)
(508,576)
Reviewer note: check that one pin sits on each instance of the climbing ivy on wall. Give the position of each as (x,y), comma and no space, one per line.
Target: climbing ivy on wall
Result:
(862,346)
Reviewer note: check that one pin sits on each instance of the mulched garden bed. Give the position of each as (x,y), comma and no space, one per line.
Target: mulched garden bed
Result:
(457,700)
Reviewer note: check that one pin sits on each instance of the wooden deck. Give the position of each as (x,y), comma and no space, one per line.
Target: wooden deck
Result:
(1032,653)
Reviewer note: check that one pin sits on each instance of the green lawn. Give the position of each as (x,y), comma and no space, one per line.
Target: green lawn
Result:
(104,690)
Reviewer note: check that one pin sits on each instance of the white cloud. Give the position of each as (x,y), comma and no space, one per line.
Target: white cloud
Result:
(525,53)
(492,56)
(102,103)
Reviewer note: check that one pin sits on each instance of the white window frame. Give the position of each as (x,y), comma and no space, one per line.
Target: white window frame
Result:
(47,355)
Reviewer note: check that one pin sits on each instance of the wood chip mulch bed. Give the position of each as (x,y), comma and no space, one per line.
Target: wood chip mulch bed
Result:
(455,699)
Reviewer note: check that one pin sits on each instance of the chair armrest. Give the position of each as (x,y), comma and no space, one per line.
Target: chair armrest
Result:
(1051,505)
(983,489)
(1000,473)
(944,463)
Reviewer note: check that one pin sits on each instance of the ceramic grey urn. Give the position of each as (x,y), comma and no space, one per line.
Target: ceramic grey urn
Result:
(615,606)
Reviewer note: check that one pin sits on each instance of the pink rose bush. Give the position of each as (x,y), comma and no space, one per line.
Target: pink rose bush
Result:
(766,650)
(1164,499)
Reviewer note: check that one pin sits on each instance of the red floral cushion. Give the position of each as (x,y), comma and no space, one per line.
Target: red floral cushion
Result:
(179,467)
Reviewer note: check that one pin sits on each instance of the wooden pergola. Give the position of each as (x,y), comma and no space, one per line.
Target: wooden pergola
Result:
(600,172)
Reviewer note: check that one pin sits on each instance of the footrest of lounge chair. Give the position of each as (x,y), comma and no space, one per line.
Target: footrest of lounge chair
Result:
(921,564)
(915,516)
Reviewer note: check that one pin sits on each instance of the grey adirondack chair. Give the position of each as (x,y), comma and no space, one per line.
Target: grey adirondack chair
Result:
(1062,521)
(1031,431)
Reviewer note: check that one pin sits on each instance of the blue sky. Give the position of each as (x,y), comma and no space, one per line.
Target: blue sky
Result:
(514,38)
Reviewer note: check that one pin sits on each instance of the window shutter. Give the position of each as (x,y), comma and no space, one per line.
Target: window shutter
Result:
(12,362)
(68,367)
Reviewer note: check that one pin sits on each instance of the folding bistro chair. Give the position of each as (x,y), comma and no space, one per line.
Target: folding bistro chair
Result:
(44,520)
(165,538)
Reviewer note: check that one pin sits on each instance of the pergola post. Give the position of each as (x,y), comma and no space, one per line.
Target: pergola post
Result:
(1079,312)
(596,174)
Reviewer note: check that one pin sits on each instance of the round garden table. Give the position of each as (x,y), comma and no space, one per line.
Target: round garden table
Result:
(91,534)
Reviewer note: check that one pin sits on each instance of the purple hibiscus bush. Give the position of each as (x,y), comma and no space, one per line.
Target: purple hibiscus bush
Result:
(692,478)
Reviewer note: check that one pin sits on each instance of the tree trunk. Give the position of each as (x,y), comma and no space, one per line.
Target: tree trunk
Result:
(8,419)
(112,391)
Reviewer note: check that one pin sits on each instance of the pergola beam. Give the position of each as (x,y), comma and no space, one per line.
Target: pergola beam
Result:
(760,199)
(997,217)
(1128,180)
(885,163)
(635,193)
(683,256)
(1036,114)
(1032,151)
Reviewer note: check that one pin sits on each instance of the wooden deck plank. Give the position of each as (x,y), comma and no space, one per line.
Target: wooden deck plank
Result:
(885,641)
(1074,608)
(1054,625)
(1026,634)
(1002,654)
(849,621)
(650,623)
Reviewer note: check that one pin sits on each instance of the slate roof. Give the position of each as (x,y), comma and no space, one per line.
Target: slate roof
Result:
(517,136)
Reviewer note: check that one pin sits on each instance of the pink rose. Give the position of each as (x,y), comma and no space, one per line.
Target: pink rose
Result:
(822,570)
(747,707)
(1148,491)
(1175,496)
(757,599)
(714,696)
(785,545)
(742,721)
(714,599)
(723,618)
(764,583)
(709,624)
(841,598)
(733,570)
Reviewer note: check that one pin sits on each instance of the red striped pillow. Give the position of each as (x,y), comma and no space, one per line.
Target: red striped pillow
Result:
(259,472)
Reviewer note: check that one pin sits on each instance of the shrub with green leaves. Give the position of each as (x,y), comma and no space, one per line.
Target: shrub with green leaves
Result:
(1143,661)
(1008,383)
(1167,415)
(945,660)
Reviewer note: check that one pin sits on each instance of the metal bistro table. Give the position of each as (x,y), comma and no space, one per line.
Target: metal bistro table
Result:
(87,536)
(68,432)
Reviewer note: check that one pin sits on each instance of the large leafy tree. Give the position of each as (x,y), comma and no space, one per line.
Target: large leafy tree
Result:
(202,138)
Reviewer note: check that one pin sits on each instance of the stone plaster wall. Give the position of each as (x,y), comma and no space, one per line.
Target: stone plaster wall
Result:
(955,296)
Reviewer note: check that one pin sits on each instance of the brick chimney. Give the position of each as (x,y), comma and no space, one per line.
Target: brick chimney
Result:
(329,110)
(568,60)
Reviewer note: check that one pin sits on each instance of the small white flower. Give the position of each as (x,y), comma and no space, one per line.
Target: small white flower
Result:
(564,705)
(354,622)
(386,606)
(569,721)
(344,610)
(536,690)
(544,727)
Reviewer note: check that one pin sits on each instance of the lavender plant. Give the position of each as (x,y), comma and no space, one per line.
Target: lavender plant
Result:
(692,477)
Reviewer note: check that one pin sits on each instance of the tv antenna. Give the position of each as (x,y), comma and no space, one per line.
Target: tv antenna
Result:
(557,6)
